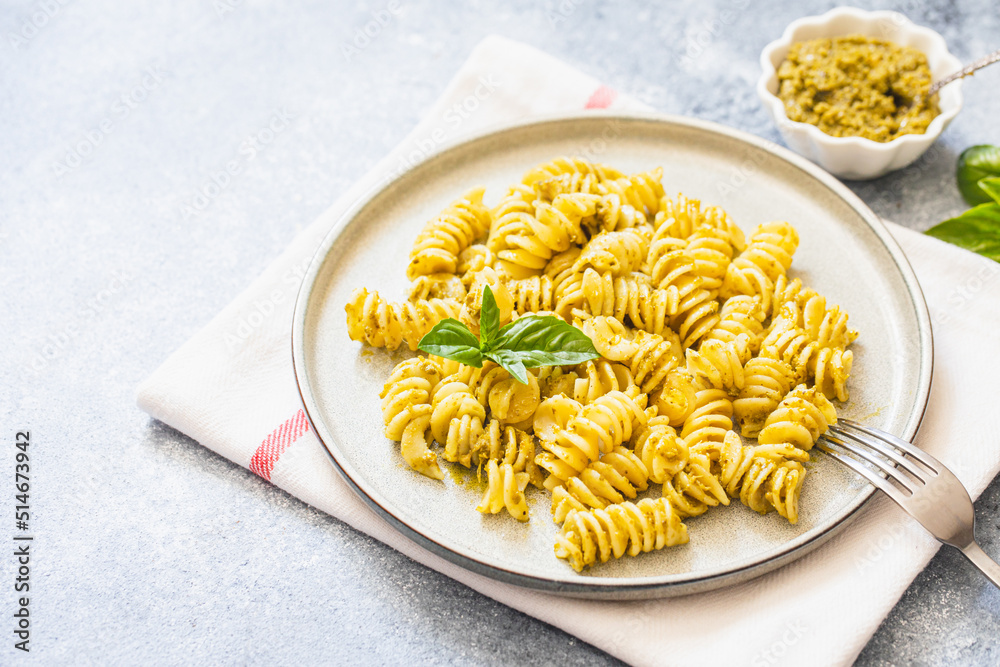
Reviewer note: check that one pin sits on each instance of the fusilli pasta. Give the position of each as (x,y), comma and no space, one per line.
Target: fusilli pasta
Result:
(698,328)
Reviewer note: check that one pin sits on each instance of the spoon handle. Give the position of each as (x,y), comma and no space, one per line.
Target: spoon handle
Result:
(965,71)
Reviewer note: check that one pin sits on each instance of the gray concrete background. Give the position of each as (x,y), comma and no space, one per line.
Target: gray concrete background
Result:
(150,548)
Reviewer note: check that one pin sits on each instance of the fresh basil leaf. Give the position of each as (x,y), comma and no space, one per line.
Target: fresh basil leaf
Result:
(489,320)
(545,340)
(452,340)
(991,186)
(511,361)
(976,163)
(978,230)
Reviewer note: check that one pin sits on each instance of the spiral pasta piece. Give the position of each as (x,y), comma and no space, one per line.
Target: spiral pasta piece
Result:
(553,416)
(594,379)
(617,253)
(654,358)
(567,285)
(718,365)
(472,260)
(571,166)
(532,295)
(508,445)
(514,402)
(618,475)
(830,369)
(671,268)
(833,330)
(711,419)
(643,191)
(438,245)
(406,412)
(612,339)
(694,489)
(614,214)
(696,315)
(518,199)
(456,420)
(680,218)
(766,382)
(677,397)
(711,254)
(437,286)
(800,419)
(596,429)
(628,296)
(791,344)
(767,257)
(504,491)
(633,528)
(549,188)
(764,477)
(741,321)
(525,242)
(379,323)
(661,450)
(650,357)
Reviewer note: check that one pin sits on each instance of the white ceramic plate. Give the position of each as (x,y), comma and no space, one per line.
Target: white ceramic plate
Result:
(845,253)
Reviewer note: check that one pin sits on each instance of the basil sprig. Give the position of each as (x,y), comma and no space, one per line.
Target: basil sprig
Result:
(527,342)
(975,164)
(978,229)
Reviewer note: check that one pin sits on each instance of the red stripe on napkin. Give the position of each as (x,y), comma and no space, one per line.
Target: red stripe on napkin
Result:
(602,98)
(274,445)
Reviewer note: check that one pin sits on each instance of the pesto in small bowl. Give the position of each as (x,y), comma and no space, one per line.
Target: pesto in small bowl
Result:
(857,86)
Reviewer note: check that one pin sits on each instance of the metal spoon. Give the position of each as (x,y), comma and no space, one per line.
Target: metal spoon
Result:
(965,71)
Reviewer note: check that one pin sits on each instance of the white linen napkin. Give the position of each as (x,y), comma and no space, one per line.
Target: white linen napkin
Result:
(232,388)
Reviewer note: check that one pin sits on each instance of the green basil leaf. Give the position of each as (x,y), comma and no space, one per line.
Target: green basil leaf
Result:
(978,230)
(489,320)
(511,361)
(452,340)
(545,340)
(976,163)
(991,186)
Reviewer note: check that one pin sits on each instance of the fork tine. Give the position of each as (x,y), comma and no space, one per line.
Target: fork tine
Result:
(864,455)
(896,442)
(866,472)
(886,451)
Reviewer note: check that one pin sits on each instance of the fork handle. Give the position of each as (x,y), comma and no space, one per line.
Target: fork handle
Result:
(986,565)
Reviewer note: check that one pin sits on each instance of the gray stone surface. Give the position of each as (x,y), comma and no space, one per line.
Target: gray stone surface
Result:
(151,548)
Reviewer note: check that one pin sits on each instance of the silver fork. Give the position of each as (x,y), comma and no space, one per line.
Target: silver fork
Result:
(928,492)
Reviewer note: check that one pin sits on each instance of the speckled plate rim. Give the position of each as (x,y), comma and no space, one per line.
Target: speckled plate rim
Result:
(632,587)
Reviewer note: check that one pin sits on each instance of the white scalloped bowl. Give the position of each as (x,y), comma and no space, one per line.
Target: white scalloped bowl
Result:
(856,157)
